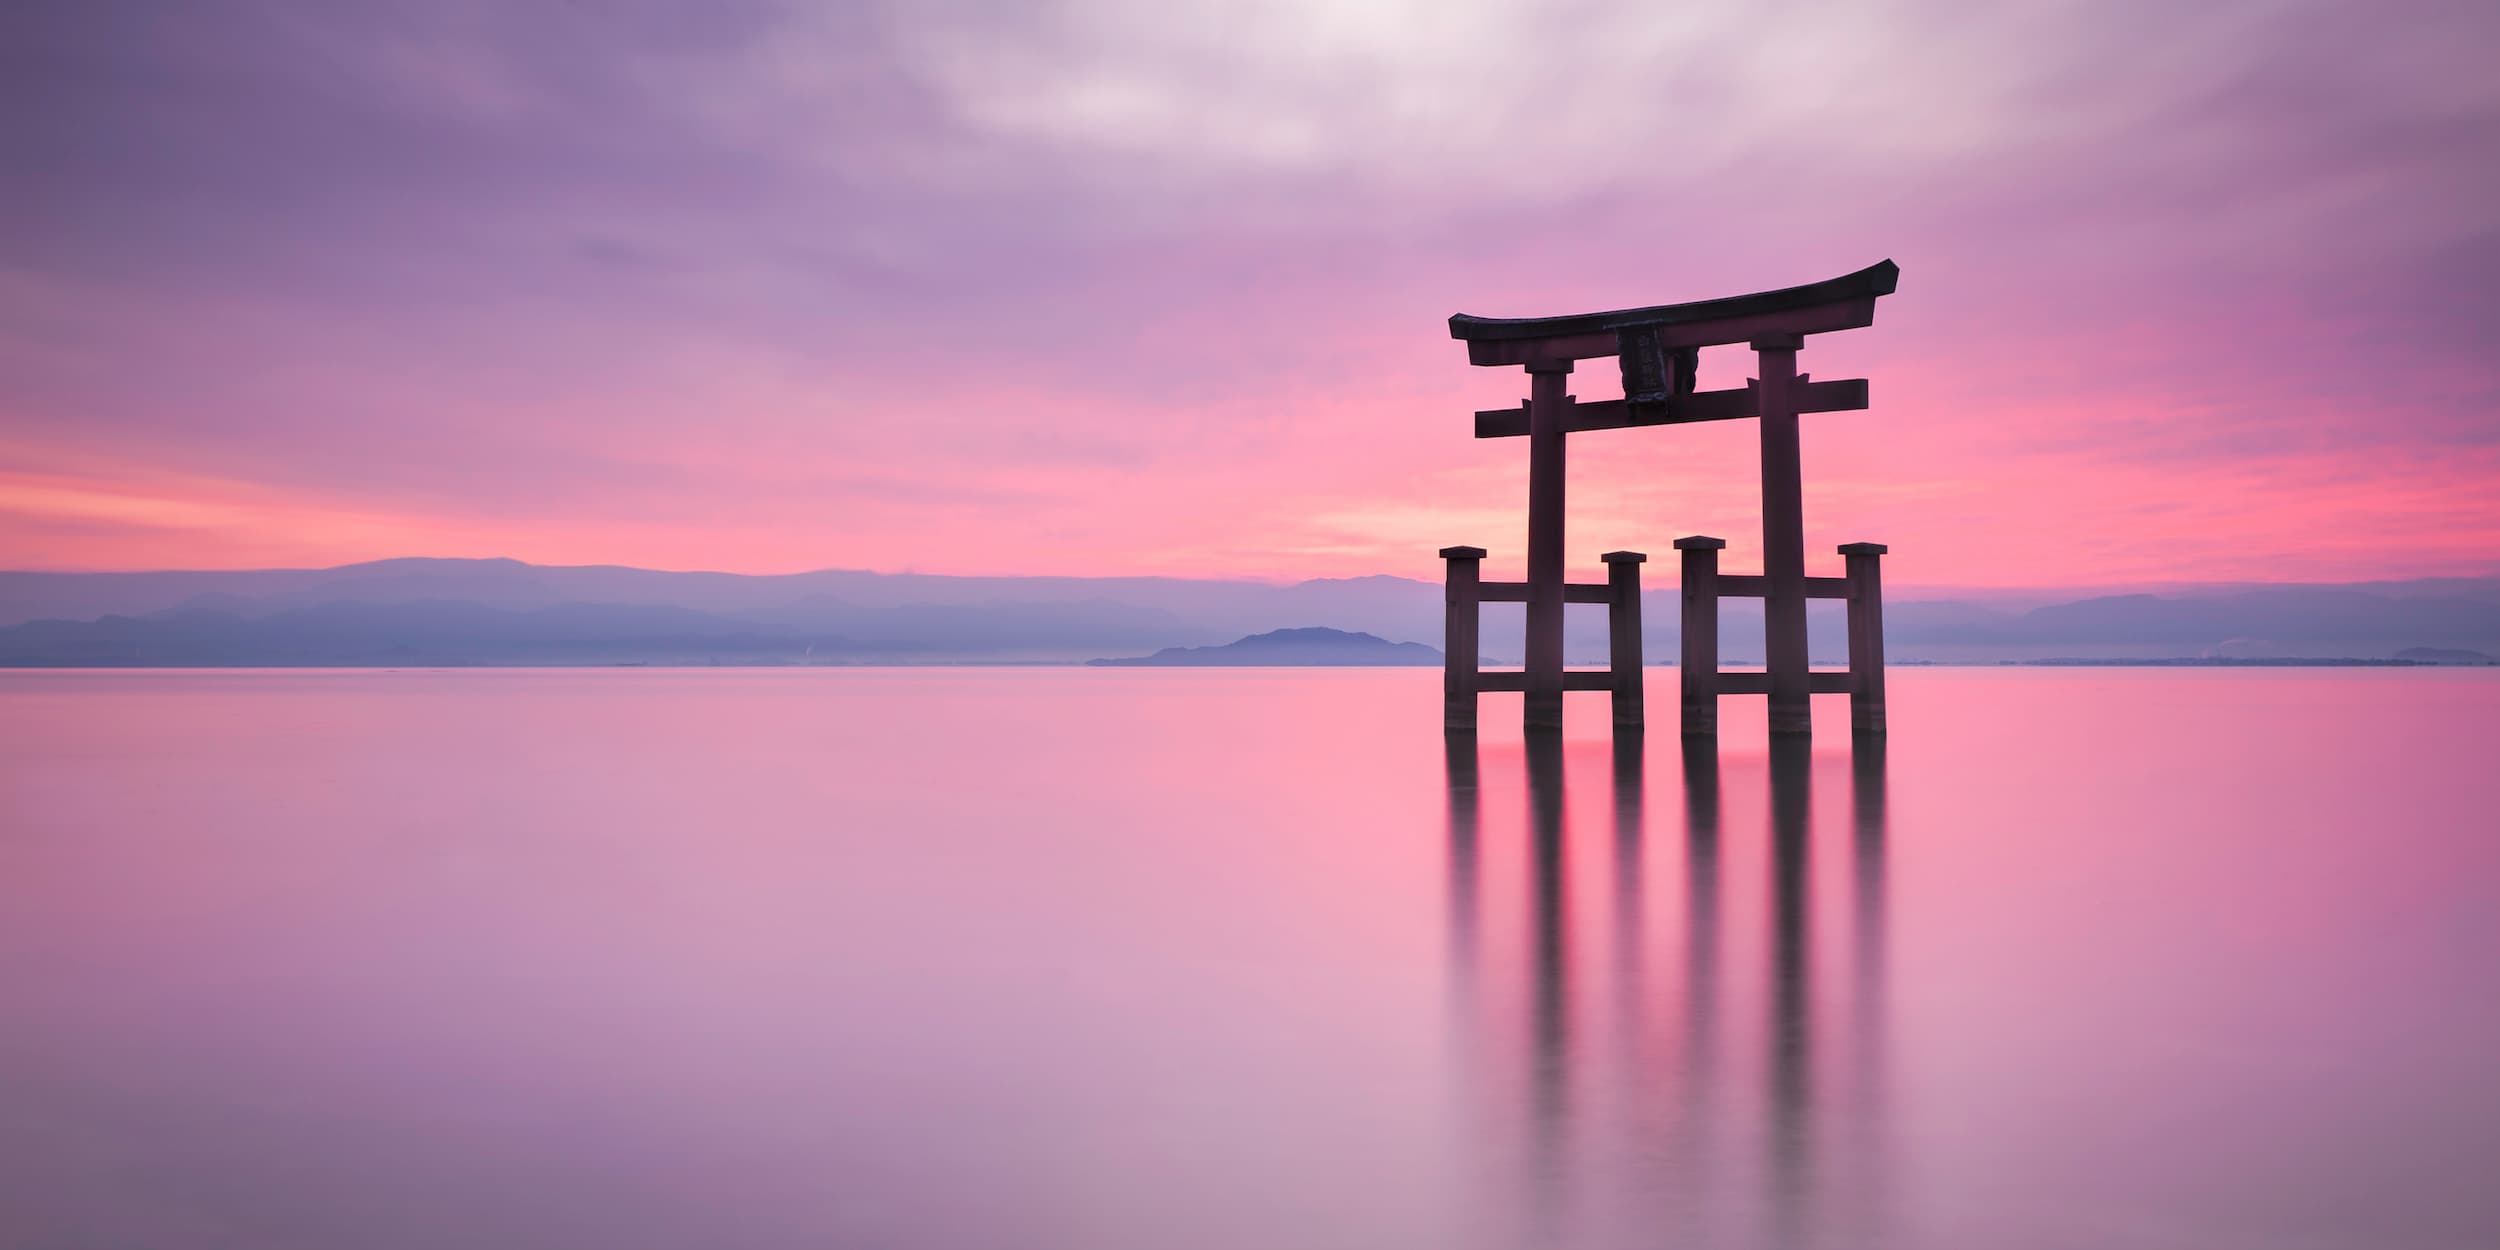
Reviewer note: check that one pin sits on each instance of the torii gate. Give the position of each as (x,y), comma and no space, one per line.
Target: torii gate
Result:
(1658,348)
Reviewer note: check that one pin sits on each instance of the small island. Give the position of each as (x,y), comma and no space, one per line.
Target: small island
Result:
(1290,648)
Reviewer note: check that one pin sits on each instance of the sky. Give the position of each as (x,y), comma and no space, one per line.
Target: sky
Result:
(2188,292)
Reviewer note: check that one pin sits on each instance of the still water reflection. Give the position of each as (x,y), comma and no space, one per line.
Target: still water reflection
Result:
(1146,959)
(1820,1127)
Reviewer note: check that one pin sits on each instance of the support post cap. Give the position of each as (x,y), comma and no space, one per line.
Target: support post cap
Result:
(1624,557)
(1462,553)
(1699,542)
(1863,549)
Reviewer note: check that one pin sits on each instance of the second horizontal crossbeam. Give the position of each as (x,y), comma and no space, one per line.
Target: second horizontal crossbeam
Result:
(1752,586)
(1517,592)
(1825,682)
(1845,395)
(1572,679)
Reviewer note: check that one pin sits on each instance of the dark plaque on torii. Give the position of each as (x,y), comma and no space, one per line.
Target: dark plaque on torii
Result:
(1657,349)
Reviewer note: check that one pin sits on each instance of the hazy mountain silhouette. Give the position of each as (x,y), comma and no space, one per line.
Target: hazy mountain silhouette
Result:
(505,611)
(1283,647)
(2288,616)
(420,631)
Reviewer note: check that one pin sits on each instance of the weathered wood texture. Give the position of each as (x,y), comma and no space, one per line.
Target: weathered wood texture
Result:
(1546,406)
(1783,537)
(1733,404)
(1843,303)
(1755,586)
(1623,635)
(1573,592)
(1699,671)
(1819,682)
(1541,353)
(1866,636)
(1465,566)
(1570,679)
(1655,378)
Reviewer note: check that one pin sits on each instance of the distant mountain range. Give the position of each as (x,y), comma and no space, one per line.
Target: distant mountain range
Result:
(1314,647)
(427,611)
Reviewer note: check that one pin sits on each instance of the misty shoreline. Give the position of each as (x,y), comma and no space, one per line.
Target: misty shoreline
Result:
(499,613)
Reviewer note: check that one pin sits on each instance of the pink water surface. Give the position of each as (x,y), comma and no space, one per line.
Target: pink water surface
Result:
(1086,958)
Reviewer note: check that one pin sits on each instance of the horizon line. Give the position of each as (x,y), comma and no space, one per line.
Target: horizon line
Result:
(1922,588)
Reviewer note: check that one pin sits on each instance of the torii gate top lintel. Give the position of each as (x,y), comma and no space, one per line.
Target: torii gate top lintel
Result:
(1843,303)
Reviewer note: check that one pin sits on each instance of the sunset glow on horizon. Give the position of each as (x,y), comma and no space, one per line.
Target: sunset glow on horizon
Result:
(1117,288)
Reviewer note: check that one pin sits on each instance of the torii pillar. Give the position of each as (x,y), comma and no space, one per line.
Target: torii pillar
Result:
(1546,402)
(1783,533)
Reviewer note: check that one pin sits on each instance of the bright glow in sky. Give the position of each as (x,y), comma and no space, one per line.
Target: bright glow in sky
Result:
(2188,292)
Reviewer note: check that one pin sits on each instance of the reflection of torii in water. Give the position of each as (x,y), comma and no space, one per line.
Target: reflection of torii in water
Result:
(1792,1105)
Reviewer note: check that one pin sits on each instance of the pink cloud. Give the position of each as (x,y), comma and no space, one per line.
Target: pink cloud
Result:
(768,294)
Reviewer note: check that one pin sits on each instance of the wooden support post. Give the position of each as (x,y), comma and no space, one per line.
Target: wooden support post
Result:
(1783,536)
(1866,636)
(1700,660)
(1547,406)
(1461,597)
(1623,634)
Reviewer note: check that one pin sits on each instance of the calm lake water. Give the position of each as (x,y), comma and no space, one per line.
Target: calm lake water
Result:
(1069,958)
